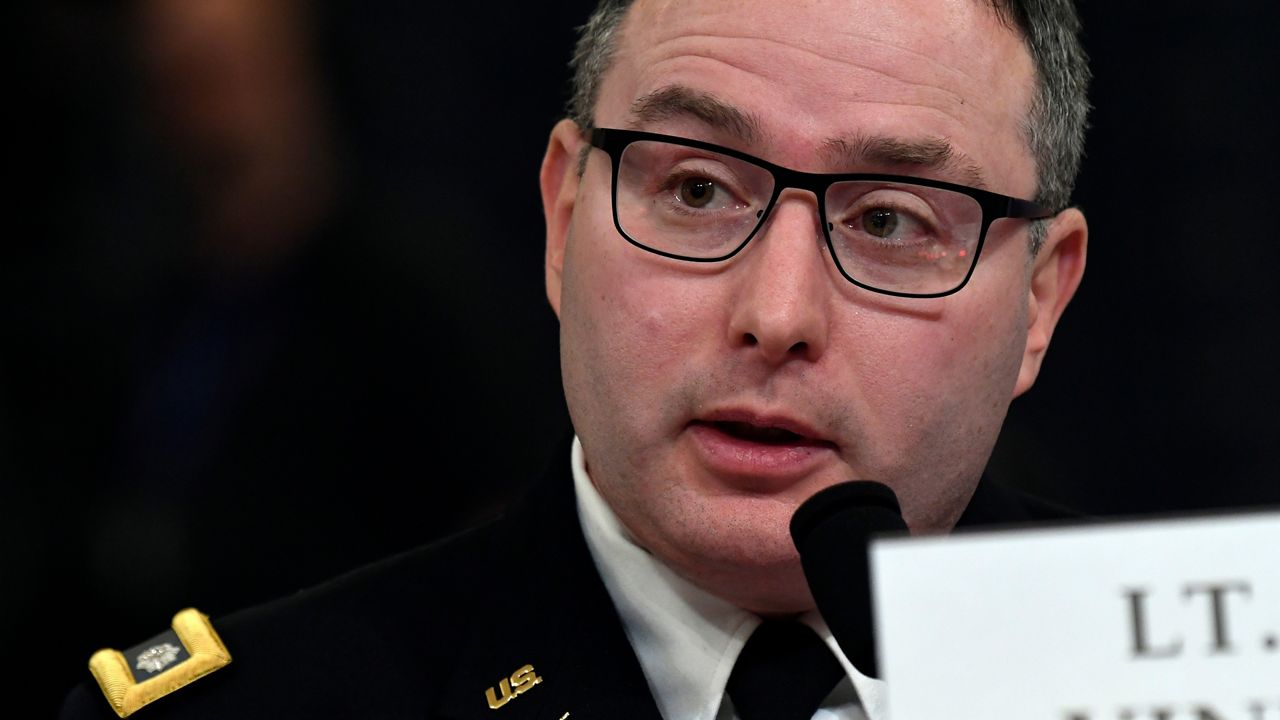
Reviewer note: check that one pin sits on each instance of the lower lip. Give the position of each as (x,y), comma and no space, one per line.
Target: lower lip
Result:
(754,466)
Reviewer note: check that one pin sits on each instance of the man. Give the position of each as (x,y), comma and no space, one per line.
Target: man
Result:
(789,244)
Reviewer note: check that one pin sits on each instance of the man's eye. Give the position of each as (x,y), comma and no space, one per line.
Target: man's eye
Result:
(881,222)
(697,192)
(890,224)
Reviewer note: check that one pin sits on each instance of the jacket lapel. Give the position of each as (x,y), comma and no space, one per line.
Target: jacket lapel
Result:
(547,640)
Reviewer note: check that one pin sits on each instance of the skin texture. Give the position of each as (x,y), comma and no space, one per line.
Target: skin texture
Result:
(909,392)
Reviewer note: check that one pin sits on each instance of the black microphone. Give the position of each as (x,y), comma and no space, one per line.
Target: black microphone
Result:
(831,530)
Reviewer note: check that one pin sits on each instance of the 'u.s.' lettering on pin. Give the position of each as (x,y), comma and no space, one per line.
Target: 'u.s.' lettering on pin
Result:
(520,682)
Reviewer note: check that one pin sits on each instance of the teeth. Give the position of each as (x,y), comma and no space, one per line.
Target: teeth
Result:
(754,433)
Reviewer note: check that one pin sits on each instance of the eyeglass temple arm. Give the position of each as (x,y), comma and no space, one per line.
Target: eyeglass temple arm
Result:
(1028,210)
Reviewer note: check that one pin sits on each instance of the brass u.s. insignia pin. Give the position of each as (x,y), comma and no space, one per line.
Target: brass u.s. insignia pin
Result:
(147,672)
(520,682)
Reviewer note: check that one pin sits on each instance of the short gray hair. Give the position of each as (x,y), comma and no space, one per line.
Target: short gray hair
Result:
(1054,127)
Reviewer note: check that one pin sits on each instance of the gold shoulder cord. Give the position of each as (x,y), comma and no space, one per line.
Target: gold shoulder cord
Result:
(111,669)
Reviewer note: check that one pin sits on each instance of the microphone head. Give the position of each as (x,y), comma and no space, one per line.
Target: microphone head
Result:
(832,530)
(860,496)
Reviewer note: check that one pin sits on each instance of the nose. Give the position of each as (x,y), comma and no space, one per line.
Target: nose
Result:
(783,290)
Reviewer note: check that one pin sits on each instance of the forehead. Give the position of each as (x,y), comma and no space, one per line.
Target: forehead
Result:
(810,71)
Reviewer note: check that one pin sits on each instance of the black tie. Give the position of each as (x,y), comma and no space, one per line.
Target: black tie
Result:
(784,673)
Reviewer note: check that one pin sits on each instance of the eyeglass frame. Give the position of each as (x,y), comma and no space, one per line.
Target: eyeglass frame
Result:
(994,206)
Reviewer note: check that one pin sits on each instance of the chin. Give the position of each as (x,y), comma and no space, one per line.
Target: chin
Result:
(746,558)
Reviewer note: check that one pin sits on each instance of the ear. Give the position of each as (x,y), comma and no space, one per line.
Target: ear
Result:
(559,183)
(1055,275)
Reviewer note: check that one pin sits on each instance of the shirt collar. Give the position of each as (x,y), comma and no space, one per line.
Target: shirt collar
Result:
(686,639)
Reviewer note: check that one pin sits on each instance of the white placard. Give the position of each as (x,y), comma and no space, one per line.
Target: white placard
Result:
(1152,620)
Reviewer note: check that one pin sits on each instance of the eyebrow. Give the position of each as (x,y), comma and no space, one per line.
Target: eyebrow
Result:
(930,153)
(676,101)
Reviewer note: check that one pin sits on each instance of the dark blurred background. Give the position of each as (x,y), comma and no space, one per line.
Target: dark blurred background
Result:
(272,294)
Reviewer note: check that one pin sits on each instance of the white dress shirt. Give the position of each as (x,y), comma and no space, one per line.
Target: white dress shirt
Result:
(687,639)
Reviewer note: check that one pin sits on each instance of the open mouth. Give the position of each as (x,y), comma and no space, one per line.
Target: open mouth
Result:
(762,434)
(758,452)
(757,434)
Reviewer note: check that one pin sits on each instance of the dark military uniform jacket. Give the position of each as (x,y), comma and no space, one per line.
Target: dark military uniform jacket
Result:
(507,622)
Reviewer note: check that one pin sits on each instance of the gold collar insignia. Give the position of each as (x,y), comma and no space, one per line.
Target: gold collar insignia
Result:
(163,666)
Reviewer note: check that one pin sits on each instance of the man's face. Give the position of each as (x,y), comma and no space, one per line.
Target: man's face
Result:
(712,399)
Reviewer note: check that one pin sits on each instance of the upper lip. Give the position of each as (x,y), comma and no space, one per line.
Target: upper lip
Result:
(762,419)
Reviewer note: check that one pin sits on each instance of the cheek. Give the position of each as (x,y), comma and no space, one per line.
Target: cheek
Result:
(632,331)
(986,346)
(936,382)
(936,391)
(977,344)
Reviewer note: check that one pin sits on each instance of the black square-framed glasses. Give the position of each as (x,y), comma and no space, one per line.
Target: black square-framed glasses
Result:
(893,234)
